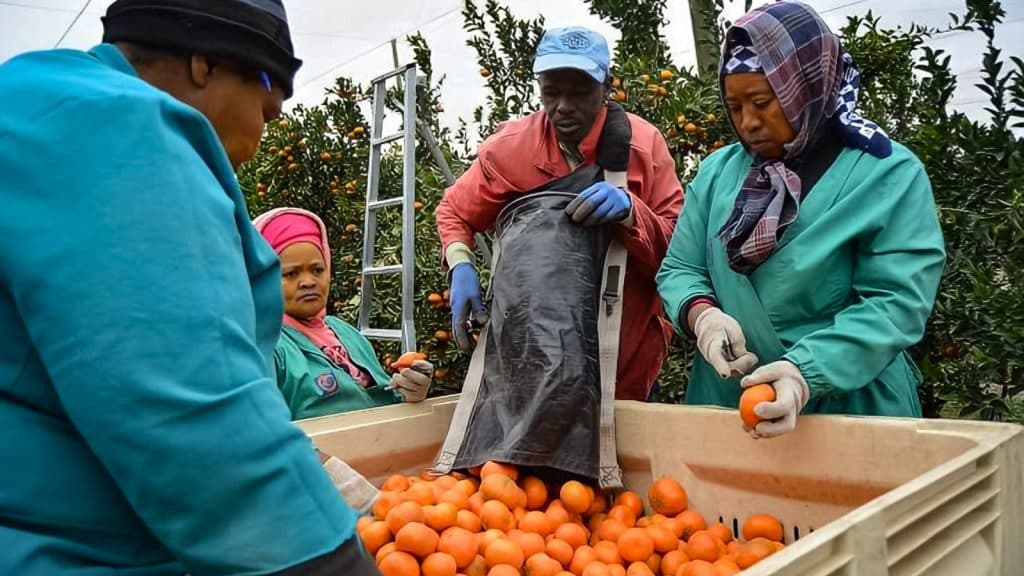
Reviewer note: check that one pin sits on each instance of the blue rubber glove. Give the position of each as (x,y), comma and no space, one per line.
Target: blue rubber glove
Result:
(601,203)
(466,300)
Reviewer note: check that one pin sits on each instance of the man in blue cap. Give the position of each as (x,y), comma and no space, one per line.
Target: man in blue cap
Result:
(143,430)
(572,67)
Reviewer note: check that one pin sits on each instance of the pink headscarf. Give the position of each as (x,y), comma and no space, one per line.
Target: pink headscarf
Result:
(282,227)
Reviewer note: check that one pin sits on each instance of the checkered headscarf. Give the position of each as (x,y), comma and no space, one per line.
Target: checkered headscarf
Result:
(816,83)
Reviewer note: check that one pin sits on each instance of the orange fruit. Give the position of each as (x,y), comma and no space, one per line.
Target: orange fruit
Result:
(503,570)
(581,558)
(559,550)
(636,545)
(639,569)
(624,514)
(721,531)
(384,551)
(557,513)
(732,547)
(610,530)
(395,483)
(692,521)
(363,522)
(596,569)
(673,525)
(417,539)
(467,486)
(703,546)
(726,566)
(654,563)
(502,488)
(576,497)
(421,493)
(574,534)
(399,564)
(439,564)
(476,503)
(608,552)
(402,514)
(492,467)
(385,502)
(752,397)
(405,361)
(700,568)
(667,496)
(455,497)
(617,569)
(672,561)
(600,503)
(528,542)
(503,551)
(536,492)
(478,567)
(540,564)
(485,539)
(752,552)
(632,501)
(494,514)
(537,522)
(460,544)
(469,521)
(763,526)
(663,538)
(375,536)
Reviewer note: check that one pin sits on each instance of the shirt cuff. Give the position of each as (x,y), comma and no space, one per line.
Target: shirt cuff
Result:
(457,253)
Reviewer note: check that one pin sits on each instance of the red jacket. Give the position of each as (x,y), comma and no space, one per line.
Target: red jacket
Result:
(524,154)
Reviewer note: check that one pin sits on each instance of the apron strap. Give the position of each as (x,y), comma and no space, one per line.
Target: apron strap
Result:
(609,321)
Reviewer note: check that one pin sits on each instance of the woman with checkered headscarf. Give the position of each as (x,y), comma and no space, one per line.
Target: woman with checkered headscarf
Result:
(809,253)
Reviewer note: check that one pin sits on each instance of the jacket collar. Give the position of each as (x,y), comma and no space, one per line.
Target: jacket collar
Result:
(549,155)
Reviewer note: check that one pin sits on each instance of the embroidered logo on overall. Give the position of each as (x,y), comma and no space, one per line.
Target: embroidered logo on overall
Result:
(576,41)
(327,383)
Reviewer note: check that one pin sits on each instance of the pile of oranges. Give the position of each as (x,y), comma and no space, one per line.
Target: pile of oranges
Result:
(496,523)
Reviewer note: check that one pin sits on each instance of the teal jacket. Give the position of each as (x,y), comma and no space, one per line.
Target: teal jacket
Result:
(143,433)
(312,386)
(849,288)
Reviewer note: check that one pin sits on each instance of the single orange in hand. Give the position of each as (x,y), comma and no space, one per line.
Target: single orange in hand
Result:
(405,360)
(763,526)
(752,397)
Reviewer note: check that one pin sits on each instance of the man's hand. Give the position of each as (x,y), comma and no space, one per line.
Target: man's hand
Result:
(466,300)
(601,203)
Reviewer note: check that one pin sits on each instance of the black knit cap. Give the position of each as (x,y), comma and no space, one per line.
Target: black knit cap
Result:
(250,32)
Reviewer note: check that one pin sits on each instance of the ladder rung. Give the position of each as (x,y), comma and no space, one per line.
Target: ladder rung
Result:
(385,203)
(389,138)
(383,334)
(379,270)
(396,72)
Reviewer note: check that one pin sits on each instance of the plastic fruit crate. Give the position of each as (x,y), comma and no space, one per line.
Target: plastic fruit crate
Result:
(857,496)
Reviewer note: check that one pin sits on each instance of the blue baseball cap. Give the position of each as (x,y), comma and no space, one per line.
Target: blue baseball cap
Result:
(573,47)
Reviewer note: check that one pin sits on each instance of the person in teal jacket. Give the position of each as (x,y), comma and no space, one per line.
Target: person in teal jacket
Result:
(811,249)
(143,433)
(325,365)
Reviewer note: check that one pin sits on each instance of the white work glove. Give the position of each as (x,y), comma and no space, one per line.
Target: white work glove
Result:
(356,490)
(720,340)
(791,395)
(414,381)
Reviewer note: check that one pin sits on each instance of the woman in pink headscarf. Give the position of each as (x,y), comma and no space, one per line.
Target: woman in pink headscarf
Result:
(324,365)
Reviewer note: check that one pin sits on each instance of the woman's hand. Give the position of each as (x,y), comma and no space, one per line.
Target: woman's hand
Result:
(414,382)
(791,395)
(353,487)
(720,340)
